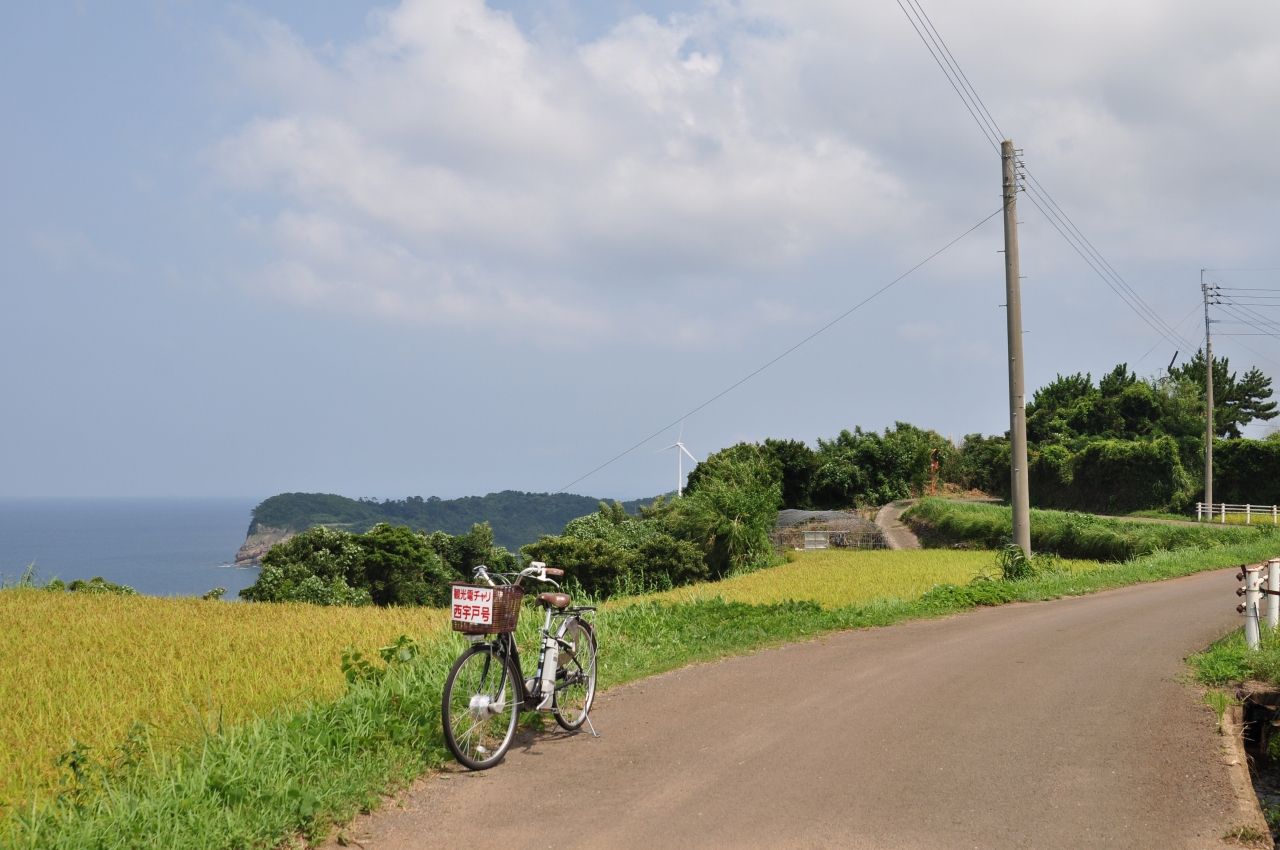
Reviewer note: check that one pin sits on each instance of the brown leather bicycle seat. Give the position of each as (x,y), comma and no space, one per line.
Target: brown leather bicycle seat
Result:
(554,600)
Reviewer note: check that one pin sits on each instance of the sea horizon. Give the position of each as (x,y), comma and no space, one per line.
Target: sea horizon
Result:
(160,546)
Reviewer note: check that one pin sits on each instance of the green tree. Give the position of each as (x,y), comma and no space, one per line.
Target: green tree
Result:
(730,514)
(402,568)
(462,553)
(321,566)
(1236,401)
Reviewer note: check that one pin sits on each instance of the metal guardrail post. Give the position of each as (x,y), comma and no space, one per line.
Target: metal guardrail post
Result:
(1252,596)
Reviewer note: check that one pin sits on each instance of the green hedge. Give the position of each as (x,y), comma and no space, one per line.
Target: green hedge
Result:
(1111,476)
(1246,471)
(1069,534)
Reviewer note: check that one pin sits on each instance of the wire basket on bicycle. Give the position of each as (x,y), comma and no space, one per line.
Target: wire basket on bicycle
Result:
(481,610)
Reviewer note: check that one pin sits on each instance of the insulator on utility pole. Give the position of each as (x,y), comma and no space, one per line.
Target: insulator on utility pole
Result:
(1019,496)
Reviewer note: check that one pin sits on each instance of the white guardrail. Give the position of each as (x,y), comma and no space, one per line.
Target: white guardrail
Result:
(1253,576)
(1217,511)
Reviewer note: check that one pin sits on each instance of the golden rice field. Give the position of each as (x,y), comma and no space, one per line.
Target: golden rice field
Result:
(837,577)
(85,667)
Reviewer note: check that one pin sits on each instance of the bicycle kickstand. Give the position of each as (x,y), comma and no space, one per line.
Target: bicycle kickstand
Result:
(590,726)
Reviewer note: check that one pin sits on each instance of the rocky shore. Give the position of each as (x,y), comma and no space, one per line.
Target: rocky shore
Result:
(258,543)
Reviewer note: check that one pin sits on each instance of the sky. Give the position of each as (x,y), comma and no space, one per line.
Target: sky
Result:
(449,247)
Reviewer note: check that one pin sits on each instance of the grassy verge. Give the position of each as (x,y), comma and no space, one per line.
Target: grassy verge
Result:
(300,770)
(1230,661)
(1072,535)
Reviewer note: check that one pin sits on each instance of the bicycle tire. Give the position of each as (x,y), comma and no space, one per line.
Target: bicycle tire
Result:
(477,735)
(576,679)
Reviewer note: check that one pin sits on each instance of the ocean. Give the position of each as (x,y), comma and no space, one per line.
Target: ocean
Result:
(159,547)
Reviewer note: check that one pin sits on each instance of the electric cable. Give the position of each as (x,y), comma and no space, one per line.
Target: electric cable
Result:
(739,383)
(1048,207)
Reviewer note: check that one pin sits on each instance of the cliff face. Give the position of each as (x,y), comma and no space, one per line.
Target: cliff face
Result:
(258,543)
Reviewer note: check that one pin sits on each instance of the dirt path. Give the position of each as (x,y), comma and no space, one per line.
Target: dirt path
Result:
(1050,725)
(896,535)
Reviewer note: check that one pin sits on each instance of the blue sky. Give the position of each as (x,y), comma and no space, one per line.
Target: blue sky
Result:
(445,248)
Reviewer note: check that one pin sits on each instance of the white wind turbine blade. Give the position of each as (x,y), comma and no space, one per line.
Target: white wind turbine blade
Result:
(686,451)
(667,449)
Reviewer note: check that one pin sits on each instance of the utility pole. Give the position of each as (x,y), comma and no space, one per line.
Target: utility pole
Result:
(1020,498)
(1208,395)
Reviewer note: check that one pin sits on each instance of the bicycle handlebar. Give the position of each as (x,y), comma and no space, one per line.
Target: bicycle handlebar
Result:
(536,570)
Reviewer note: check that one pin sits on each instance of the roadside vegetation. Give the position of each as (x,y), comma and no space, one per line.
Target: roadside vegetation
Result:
(947,523)
(1229,661)
(243,769)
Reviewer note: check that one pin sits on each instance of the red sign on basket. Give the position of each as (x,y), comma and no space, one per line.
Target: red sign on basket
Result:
(473,605)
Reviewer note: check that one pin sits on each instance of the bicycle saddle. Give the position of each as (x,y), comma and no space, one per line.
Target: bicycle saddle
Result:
(554,600)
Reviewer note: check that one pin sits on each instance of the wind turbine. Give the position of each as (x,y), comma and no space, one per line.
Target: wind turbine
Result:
(679,459)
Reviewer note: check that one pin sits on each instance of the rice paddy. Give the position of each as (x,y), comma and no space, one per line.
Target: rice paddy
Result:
(835,578)
(87,667)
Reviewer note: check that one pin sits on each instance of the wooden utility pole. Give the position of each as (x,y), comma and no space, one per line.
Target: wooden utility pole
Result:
(1020,498)
(1208,406)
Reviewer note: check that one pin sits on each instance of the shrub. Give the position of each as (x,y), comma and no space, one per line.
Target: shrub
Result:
(599,567)
(402,568)
(321,566)
(1114,476)
(1246,471)
(390,565)
(610,552)
(721,527)
(96,585)
(730,515)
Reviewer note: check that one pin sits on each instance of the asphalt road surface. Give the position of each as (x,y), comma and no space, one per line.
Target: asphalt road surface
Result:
(1048,725)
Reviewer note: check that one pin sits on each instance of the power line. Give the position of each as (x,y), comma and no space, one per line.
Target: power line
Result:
(1036,193)
(739,383)
(1194,307)
(1251,351)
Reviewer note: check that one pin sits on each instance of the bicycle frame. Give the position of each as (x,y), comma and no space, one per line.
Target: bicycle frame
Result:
(505,645)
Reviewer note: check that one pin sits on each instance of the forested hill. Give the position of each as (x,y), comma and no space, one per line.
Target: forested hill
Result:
(517,518)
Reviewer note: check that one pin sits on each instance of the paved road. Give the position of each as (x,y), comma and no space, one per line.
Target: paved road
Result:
(1049,725)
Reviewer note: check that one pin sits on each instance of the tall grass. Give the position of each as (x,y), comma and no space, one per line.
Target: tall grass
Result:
(1230,660)
(1069,534)
(87,668)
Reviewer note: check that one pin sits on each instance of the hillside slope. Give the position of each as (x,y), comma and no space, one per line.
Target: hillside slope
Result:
(517,518)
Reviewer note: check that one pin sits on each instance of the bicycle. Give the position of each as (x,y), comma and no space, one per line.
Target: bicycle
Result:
(486,688)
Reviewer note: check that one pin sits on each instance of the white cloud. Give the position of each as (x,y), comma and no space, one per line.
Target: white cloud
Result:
(454,169)
(450,169)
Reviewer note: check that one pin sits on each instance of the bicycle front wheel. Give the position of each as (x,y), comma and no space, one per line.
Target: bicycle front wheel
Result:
(479,711)
(576,678)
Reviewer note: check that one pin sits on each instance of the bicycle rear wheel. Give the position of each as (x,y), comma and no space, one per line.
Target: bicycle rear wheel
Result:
(479,710)
(576,678)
